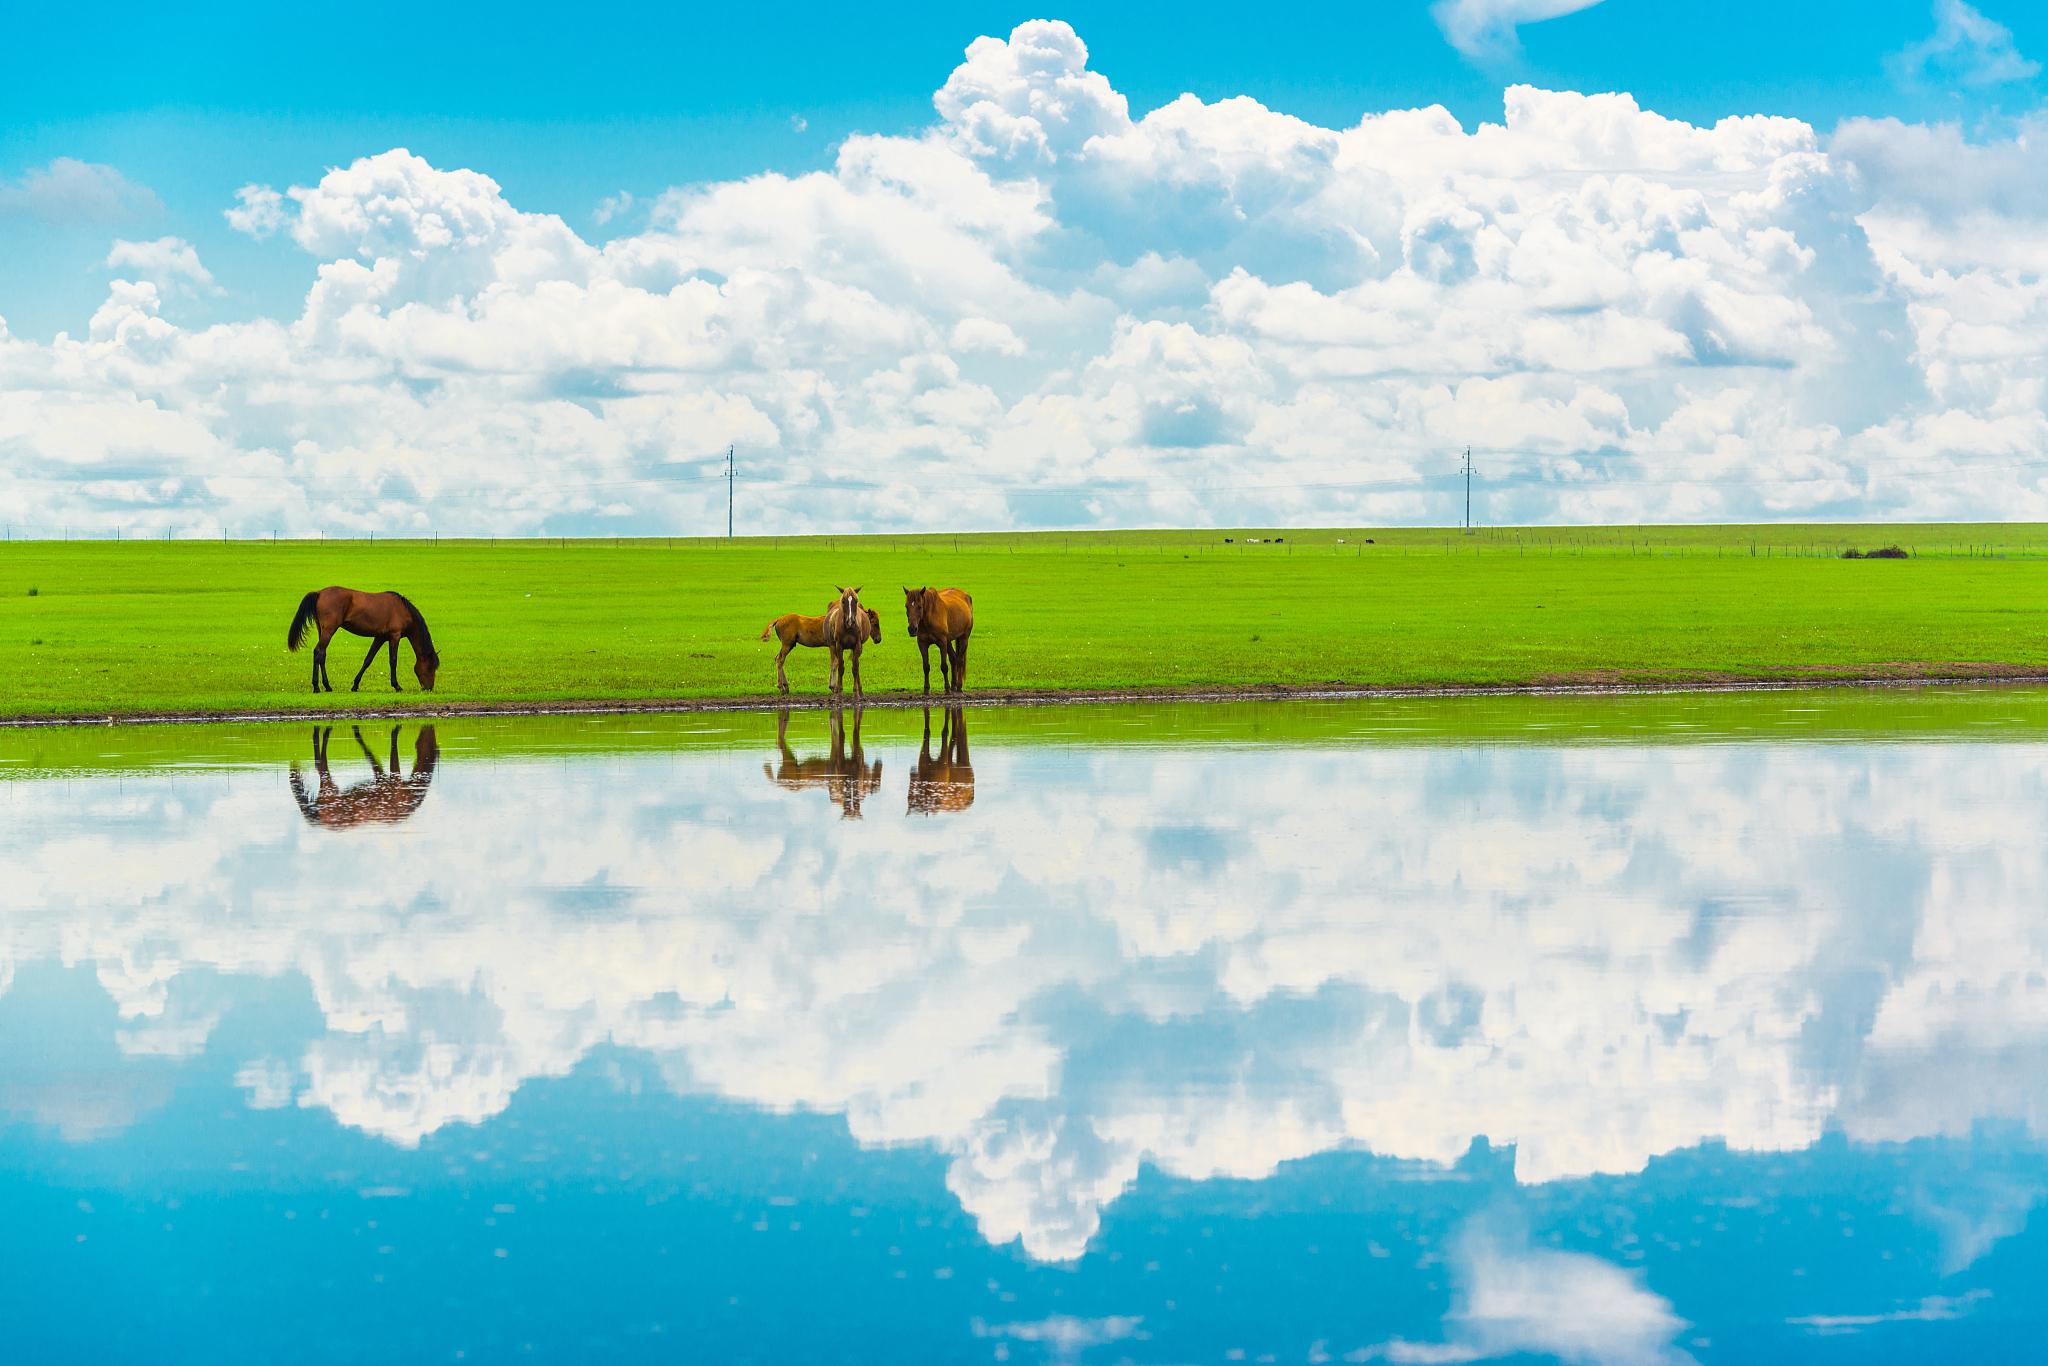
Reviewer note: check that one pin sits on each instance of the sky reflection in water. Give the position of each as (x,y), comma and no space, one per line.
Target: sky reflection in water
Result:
(829,1046)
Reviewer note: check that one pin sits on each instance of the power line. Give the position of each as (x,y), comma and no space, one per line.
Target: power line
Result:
(1536,479)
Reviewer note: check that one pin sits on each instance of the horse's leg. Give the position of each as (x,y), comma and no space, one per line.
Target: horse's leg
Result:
(781,678)
(368,753)
(375,646)
(321,736)
(782,739)
(320,657)
(832,671)
(858,695)
(396,771)
(924,647)
(301,796)
(394,665)
(960,665)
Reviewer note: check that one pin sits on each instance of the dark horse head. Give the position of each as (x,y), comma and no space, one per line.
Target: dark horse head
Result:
(425,658)
(913,609)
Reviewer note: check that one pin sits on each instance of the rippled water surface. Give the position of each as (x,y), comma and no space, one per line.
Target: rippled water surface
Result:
(1618,1030)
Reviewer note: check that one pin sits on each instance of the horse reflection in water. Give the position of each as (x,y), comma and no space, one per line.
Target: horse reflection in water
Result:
(844,775)
(945,783)
(385,798)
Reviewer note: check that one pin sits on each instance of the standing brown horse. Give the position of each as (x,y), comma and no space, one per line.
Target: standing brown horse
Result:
(943,617)
(846,630)
(386,618)
(794,630)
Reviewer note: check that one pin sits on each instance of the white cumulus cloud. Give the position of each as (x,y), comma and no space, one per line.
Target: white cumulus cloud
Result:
(167,262)
(1485,29)
(259,211)
(1514,1299)
(68,190)
(1967,47)
(1045,308)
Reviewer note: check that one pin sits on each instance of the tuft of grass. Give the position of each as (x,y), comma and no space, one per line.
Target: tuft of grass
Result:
(199,626)
(34,591)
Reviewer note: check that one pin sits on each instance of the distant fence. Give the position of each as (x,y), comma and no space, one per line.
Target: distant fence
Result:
(1918,542)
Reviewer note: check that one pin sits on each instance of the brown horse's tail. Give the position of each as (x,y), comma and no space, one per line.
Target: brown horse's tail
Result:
(768,630)
(301,619)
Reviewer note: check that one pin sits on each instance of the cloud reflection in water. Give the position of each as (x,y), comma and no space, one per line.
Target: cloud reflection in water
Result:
(1210,961)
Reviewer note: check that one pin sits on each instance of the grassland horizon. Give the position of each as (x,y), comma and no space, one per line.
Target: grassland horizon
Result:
(137,627)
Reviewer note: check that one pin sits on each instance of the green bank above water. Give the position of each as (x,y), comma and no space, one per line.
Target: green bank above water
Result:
(1818,715)
(105,629)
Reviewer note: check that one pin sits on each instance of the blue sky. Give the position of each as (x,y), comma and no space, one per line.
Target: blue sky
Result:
(563,112)
(1168,300)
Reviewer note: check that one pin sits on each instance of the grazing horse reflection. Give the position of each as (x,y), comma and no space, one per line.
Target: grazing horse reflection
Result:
(947,782)
(385,798)
(844,775)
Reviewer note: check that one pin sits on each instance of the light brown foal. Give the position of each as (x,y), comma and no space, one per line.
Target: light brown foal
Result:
(793,630)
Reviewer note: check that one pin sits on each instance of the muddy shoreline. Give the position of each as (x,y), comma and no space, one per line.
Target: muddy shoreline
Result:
(1583,686)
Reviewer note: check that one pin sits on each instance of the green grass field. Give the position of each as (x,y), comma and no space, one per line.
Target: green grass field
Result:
(98,628)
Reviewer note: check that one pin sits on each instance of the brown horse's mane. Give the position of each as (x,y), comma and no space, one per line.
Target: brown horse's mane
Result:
(425,644)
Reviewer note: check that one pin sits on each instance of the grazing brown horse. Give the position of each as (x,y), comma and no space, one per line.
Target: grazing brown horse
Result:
(386,618)
(947,782)
(943,617)
(386,798)
(846,777)
(793,630)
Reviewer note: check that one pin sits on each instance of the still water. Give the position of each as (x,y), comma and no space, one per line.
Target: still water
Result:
(1623,1031)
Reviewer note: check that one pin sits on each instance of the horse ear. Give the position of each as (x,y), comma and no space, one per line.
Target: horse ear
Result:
(856,590)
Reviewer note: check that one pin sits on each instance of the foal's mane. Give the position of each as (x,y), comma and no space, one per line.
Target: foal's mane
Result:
(425,644)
